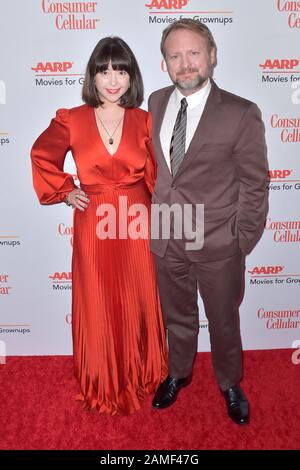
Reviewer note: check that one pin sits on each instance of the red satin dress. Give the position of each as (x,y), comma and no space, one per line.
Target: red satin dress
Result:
(118,334)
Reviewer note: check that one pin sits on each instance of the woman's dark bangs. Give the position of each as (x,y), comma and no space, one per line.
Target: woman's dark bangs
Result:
(116,55)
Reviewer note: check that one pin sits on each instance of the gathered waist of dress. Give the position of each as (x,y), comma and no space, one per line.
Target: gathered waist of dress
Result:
(100,188)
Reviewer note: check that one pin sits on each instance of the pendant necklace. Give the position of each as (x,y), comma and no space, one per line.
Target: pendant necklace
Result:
(110,140)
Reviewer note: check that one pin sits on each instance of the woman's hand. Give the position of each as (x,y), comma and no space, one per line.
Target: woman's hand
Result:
(77,199)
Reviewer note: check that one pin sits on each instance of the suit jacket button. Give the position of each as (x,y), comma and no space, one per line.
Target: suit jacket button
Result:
(174,186)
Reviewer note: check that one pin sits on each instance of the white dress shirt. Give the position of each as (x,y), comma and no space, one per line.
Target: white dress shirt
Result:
(196,103)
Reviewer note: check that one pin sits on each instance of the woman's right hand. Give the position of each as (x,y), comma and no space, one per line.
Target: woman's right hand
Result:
(77,199)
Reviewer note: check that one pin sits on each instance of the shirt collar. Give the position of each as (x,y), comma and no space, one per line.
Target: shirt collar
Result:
(196,98)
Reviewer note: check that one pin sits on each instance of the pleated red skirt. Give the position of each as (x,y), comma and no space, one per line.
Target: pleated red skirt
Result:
(118,334)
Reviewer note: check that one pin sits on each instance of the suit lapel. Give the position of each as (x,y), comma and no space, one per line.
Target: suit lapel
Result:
(157,123)
(204,129)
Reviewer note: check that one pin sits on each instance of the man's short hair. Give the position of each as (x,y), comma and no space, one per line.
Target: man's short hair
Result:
(191,25)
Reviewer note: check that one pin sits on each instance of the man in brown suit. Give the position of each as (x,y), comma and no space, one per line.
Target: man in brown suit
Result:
(210,150)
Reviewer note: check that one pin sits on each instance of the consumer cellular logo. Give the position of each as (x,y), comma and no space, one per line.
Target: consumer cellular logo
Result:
(72,15)
(289,128)
(65,231)
(5,288)
(292,10)
(283,231)
(279,319)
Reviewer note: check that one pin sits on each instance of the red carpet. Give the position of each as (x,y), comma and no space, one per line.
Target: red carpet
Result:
(37,410)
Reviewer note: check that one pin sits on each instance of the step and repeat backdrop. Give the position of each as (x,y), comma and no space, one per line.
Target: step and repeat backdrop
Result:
(45,46)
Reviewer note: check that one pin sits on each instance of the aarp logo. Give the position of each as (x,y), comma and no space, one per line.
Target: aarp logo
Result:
(61,276)
(2,92)
(53,67)
(280,64)
(265,270)
(167,4)
(275,175)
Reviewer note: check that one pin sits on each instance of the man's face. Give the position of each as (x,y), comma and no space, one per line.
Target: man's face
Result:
(188,60)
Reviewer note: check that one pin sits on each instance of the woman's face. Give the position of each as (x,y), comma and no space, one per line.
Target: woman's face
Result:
(112,84)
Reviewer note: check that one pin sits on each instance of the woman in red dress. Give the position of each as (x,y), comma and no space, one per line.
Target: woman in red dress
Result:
(118,334)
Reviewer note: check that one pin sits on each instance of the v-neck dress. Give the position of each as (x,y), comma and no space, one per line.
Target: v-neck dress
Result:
(118,333)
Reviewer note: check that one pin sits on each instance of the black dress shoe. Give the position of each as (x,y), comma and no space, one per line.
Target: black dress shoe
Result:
(166,393)
(237,405)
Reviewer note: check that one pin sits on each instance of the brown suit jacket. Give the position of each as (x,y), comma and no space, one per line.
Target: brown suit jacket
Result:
(224,168)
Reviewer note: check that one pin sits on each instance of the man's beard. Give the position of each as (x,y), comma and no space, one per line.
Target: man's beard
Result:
(194,83)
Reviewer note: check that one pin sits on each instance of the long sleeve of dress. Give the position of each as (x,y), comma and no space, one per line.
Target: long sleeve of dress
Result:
(151,165)
(48,154)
